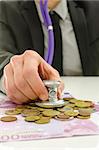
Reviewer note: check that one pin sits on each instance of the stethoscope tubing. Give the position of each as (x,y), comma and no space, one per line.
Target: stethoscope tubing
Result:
(49,54)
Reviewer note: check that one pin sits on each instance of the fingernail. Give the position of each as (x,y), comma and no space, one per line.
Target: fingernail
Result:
(43,97)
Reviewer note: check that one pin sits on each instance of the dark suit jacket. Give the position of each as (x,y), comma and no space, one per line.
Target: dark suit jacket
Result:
(20,29)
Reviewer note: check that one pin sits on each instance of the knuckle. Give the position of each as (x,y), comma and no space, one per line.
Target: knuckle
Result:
(35,54)
(29,52)
(14,59)
(32,53)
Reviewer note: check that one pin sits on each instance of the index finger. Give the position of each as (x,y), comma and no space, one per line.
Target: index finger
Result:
(31,75)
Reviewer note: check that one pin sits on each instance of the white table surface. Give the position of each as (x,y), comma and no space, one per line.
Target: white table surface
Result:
(82,88)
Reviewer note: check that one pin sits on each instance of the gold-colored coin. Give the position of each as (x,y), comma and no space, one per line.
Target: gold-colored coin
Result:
(90,102)
(75,108)
(41,109)
(43,120)
(64,109)
(31,107)
(62,117)
(8,118)
(32,118)
(85,111)
(32,104)
(73,100)
(50,113)
(13,112)
(83,117)
(30,112)
(71,105)
(20,107)
(83,104)
(71,113)
(67,98)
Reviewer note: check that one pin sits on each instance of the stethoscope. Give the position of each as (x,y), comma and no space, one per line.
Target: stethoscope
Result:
(48,23)
(52,86)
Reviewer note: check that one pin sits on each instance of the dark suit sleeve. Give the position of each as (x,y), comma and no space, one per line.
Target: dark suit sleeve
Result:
(7,42)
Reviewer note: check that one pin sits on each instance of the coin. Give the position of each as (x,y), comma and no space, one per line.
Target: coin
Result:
(30,112)
(82,104)
(73,100)
(8,119)
(32,118)
(62,117)
(43,120)
(71,113)
(31,107)
(64,109)
(83,117)
(71,105)
(90,102)
(41,109)
(85,111)
(67,98)
(75,108)
(13,112)
(32,104)
(50,113)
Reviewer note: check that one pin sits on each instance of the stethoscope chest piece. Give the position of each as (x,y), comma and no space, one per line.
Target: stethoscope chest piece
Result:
(52,86)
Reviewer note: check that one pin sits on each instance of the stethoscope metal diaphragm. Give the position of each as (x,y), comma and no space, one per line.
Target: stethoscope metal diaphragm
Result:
(52,86)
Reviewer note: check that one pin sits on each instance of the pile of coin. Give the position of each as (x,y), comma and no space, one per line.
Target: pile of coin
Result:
(74,108)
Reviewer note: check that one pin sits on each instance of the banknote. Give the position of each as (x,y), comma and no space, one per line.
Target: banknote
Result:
(20,130)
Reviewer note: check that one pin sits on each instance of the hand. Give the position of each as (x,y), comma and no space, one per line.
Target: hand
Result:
(23,77)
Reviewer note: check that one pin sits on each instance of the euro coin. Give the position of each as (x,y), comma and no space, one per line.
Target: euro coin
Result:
(32,118)
(30,112)
(71,113)
(75,108)
(83,104)
(64,109)
(50,113)
(8,119)
(67,98)
(43,120)
(13,112)
(41,109)
(70,105)
(73,100)
(65,119)
(32,104)
(83,117)
(90,102)
(31,107)
(62,117)
(85,111)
